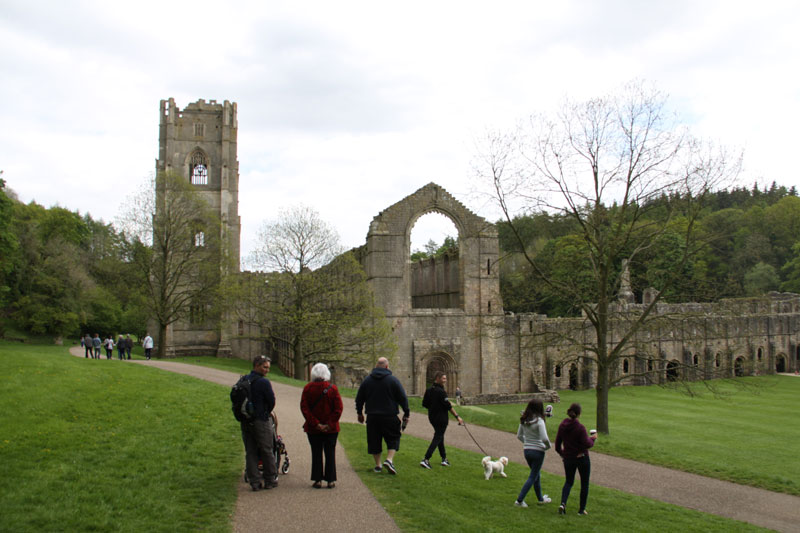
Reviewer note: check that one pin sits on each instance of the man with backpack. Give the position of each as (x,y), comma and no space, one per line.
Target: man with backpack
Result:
(258,432)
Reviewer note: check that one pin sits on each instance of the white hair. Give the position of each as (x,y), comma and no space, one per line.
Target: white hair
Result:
(320,372)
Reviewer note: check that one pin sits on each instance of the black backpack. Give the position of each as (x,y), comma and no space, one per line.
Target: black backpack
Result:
(242,405)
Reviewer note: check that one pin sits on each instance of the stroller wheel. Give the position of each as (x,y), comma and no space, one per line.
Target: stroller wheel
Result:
(285,467)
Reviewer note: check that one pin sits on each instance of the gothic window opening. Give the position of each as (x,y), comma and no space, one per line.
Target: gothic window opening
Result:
(696,360)
(558,371)
(199,129)
(716,361)
(199,239)
(435,270)
(199,169)
(625,366)
(760,353)
(197,314)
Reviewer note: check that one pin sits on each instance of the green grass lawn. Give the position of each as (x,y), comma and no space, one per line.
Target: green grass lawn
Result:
(459,499)
(99,446)
(746,433)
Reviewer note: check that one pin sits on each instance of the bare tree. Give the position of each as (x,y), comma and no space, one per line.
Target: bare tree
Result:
(608,164)
(312,295)
(177,247)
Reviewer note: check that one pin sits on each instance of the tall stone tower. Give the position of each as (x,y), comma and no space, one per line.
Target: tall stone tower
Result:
(199,143)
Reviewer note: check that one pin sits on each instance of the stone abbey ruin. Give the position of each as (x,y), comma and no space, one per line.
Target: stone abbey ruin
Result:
(447,313)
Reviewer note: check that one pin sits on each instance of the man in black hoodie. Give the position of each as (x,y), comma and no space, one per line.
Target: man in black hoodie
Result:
(382,393)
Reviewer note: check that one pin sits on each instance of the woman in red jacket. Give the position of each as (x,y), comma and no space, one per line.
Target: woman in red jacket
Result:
(572,444)
(321,405)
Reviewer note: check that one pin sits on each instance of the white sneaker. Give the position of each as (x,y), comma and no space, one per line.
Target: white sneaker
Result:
(520,504)
(425,464)
(545,499)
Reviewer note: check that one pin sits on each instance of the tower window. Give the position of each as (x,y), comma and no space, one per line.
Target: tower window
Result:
(199,239)
(199,129)
(199,169)
(199,175)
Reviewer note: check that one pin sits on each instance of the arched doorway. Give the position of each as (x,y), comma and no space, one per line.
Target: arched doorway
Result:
(738,367)
(441,362)
(573,377)
(780,363)
(672,370)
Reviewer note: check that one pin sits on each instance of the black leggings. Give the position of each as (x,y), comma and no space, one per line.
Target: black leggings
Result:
(584,468)
(437,441)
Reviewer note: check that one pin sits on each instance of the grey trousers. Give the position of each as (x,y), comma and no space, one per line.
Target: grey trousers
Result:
(258,440)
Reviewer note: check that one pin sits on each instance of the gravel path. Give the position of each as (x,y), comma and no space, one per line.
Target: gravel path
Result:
(351,507)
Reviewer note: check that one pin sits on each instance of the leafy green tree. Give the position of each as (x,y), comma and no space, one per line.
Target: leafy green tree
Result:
(760,279)
(791,271)
(8,244)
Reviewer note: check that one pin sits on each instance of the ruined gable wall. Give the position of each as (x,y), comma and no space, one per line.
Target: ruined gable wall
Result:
(465,335)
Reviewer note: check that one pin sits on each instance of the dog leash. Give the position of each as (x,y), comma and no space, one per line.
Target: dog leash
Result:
(473,439)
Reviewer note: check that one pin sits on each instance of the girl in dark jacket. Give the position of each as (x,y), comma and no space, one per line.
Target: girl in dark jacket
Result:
(572,444)
(321,405)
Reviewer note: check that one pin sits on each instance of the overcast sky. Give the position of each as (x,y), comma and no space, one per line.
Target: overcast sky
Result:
(348,107)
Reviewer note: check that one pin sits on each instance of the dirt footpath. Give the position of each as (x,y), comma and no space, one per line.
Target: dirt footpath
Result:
(295,506)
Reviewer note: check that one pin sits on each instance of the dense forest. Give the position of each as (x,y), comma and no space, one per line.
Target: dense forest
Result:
(62,274)
(749,245)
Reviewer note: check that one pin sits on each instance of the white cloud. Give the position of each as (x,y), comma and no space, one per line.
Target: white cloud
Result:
(350,106)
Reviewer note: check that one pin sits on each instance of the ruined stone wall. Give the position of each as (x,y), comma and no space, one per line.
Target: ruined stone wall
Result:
(752,336)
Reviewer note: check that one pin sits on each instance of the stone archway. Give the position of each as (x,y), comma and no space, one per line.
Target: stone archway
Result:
(780,363)
(738,367)
(672,370)
(573,377)
(441,362)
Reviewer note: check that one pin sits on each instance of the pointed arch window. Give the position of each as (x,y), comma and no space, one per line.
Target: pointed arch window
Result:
(198,168)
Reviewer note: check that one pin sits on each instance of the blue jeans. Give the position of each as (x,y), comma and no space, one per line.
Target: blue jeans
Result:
(535,459)
(584,467)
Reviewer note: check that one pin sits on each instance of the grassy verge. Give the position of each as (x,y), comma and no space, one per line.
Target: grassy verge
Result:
(459,499)
(745,433)
(96,447)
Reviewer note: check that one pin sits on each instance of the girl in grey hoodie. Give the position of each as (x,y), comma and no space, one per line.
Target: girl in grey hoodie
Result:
(533,434)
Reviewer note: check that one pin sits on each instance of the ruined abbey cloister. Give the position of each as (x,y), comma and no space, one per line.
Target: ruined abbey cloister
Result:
(447,313)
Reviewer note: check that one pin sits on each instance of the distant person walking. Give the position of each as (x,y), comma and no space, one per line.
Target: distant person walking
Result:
(121,348)
(572,444)
(322,407)
(147,344)
(87,345)
(109,344)
(532,432)
(379,395)
(439,407)
(128,346)
(458,396)
(96,343)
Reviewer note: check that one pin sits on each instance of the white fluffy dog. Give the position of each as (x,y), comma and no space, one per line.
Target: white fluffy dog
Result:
(494,467)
